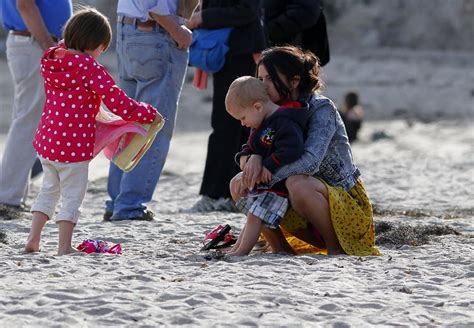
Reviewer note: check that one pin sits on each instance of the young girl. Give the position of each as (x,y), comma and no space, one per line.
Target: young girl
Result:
(75,85)
(326,192)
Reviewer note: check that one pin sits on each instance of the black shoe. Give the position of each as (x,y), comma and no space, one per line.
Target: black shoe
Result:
(107,215)
(147,216)
(18,208)
(11,212)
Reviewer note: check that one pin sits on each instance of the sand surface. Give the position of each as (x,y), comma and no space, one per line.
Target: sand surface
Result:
(419,173)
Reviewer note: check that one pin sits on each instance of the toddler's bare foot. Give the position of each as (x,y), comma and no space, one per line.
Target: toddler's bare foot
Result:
(236,253)
(228,250)
(66,251)
(32,245)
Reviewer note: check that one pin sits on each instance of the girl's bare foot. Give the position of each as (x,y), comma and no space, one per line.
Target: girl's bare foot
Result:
(66,228)
(34,237)
(66,251)
(32,245)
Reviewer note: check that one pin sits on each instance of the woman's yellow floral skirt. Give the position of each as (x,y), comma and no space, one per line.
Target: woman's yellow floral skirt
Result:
(352,219)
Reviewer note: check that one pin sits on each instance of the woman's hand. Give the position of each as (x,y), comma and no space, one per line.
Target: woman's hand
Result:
(252,171)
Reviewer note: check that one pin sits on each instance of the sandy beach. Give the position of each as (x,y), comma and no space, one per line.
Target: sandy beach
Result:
(416,155)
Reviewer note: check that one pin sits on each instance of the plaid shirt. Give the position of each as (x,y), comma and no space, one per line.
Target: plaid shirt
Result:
(327,151)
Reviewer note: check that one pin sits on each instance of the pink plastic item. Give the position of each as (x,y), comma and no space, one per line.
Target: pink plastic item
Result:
(99,246)
(256,57)
(200,76)
(113,133)
(200,79)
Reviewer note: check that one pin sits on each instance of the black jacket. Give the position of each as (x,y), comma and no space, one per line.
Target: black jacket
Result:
(286,19)
(280,138)
(245,16)
(299,23)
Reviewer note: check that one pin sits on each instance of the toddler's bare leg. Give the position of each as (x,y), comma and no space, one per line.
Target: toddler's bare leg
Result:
(239,240)
(65,237)
(34,238)
(249,236)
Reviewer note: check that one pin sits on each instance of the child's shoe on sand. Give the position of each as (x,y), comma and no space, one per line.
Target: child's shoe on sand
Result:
(220,237)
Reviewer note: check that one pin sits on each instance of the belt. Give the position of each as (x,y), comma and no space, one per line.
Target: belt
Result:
(146,26)
(22,33)
(28,34)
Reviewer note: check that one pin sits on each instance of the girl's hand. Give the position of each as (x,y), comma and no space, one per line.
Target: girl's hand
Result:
(158,119)
(266,175)
(252,170)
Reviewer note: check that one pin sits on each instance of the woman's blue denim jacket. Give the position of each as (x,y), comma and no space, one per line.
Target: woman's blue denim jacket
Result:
(327,151)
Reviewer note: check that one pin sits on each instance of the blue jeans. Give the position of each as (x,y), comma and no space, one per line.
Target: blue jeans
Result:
(152,70)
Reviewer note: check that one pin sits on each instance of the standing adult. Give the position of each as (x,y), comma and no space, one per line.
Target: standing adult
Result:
(228,135)
(152,45)
(33,27)
(299,23)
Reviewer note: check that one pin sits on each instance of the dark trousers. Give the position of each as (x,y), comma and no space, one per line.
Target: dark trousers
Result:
(228,134)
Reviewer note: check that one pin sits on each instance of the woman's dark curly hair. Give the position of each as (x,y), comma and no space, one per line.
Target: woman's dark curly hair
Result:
(291,62)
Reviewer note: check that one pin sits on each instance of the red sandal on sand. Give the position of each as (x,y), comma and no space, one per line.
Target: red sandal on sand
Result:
(219,237)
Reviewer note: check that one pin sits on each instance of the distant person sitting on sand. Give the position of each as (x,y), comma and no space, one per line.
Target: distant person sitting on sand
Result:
(352,114)
(75,86)
(277,136)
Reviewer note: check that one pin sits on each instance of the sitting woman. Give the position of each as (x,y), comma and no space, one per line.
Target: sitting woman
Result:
(352,115)
(330,208)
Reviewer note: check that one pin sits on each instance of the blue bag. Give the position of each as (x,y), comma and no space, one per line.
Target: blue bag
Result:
(208,48)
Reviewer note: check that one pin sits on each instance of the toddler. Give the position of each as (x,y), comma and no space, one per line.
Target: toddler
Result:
(75,85)
(278,137)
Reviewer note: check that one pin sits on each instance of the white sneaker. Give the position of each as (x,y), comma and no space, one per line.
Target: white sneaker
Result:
(225,205)
(208,204)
